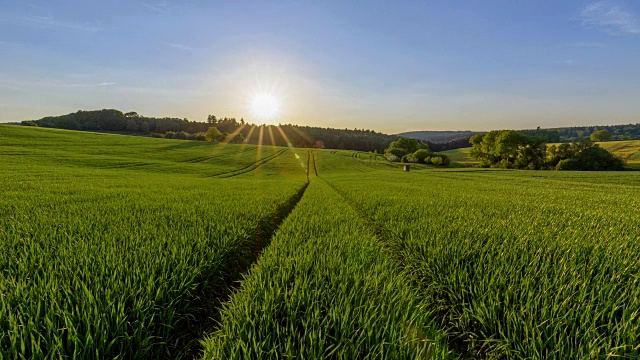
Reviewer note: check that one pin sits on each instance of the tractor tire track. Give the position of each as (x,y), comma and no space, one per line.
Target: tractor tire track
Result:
(200,159)
(208,307)
(250,167)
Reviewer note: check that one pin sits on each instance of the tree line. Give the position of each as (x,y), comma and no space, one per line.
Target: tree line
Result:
(581,133)
(514,150)
(231,130)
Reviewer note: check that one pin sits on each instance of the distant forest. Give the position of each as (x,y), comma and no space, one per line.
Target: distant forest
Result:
(299,136)
(579,133)
(554,135)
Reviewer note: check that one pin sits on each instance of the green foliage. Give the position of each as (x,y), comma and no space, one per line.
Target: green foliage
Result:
(514,150)
(421,155)
(405,149)
(397,152)
(436,160)
(568,164)
(213,134)
(235,139)
(409,145)
(601,135)
(409,159)
(596,158)
(412,151)
(508,149)
(582,155)
(132,126)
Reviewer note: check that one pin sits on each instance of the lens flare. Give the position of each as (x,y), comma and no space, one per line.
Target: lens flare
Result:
(265,107)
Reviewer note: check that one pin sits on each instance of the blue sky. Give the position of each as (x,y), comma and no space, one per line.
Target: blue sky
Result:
(389,66)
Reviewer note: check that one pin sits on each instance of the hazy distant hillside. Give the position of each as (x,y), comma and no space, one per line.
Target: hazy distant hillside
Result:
(438,136)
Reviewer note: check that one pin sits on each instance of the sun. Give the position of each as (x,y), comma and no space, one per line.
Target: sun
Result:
(265,106)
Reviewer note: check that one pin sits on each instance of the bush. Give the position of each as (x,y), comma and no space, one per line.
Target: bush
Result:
(392,158)
(236,139)
(197,136)
(409,159)
(601,135)
(505,164)
(598,159)
(213,134)
(397,152)
(567,164)
(421,155)
(436,160)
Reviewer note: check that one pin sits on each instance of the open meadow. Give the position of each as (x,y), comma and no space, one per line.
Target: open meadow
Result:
(118,246)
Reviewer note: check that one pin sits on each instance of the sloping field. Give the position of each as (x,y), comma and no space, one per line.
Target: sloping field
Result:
(101,258)
(629,151)
(126,247)
(461,156)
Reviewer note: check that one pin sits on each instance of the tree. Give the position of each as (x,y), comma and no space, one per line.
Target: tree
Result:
(422,154)
(508,149)
(131,114)
(213,134)
(132,126)
(601,135)
(144,127)
(397,152)
(235,139)
(211,119)
(410,145)
(595,158)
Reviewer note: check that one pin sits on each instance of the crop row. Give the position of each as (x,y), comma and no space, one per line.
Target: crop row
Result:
(325,288)
(515,266)
(97,264)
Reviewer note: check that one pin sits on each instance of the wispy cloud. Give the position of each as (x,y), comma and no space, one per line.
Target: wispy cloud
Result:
(83,85)
(48,22)
(47,83)
(179,46)
(162,8)
(609,17)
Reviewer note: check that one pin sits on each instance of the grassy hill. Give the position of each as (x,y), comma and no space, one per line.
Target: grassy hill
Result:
(628,150)
(131,247)
(461,156)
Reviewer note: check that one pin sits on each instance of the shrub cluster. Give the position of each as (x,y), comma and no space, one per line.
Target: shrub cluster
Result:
(180,135)
(513,150)
(413,151)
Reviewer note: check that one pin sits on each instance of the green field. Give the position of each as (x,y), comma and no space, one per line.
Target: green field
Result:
(628,151)
(132,247)
(462,157)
